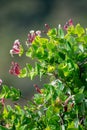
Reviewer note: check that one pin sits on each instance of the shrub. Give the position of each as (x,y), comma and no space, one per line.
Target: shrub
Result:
(61,104)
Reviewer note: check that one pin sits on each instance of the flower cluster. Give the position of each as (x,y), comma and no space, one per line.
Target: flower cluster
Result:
(69,23)
(17,48)
(32,35)
(15,69)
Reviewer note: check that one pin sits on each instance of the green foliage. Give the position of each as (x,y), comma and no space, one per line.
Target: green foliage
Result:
(62,103)
(11,93)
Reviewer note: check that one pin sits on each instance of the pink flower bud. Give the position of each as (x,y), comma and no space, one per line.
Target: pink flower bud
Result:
(37,88)
(47,28)
(70,22)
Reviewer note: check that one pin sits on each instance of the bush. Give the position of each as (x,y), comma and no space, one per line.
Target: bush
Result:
(61,104)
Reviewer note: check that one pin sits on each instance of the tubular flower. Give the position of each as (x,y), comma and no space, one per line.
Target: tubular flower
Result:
(15,69)
(32,35)
(69,23)
(47,27)
(37,88)
(17,48)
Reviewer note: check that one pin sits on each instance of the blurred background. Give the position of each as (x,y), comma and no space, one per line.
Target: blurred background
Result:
(18,17)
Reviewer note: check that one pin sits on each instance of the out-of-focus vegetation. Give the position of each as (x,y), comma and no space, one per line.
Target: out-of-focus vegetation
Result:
(19,16)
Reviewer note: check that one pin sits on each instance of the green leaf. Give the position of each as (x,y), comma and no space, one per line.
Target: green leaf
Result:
(14,94)
(4,92)
(85,38)
(60,33)
(81,90)
(21,50)
(62,55)
(47,128)
(29,52)
(49,112)
(79,30)
(30,71)
(79,97)
(10,92)
(23,73)
(24,127)
(71,30)
(52,32)
(40,52)
(3,128)
(50,45)
(71,125)
(37,68)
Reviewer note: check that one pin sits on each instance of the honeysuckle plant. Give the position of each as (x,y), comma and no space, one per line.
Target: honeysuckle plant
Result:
(61,104)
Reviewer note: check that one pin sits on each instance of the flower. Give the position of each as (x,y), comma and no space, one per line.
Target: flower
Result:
(66,26)
(0,81)
(47,28)
(37,88)
(16,49)
(32,35)
(69,23)
(15,69)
